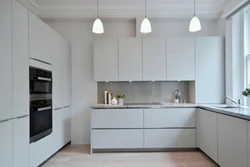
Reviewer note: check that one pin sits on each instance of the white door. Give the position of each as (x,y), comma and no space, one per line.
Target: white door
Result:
(232,141)
(210,70)
(130,59)
(21,145)
(154,59)
(180,59)
(6,144)
(40,39)
(207,130)
(5,61)
(105,59)
(20,45)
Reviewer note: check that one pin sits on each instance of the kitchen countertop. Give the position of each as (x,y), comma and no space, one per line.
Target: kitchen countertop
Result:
(242,113)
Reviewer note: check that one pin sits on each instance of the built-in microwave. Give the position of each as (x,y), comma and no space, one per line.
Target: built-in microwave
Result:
(40,83)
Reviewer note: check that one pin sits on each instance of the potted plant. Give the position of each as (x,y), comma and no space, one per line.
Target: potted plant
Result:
(120,98)
(246,93)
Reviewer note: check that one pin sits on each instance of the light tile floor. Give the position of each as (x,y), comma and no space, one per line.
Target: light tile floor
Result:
(78,156)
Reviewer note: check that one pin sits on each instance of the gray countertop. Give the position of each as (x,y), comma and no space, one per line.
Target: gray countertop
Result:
(242,113)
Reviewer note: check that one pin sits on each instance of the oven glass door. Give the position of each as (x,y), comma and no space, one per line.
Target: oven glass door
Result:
(40,122)
(40,85)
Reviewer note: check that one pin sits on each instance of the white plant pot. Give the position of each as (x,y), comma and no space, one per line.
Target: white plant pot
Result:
(121,101)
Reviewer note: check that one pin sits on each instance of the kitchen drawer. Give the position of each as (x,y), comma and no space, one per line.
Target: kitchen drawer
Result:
(165,118)
(117,118)
(169,138)
(104,139)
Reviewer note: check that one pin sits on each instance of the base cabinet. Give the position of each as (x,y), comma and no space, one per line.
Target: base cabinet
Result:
(21,145)
(207,133)
(169,138)
(232,142)
(103,139)
(6,144)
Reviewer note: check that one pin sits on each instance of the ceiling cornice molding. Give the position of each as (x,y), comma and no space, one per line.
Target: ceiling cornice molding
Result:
(32,5)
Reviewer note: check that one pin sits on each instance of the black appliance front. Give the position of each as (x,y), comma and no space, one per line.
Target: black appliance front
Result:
(40,119)
(40,83)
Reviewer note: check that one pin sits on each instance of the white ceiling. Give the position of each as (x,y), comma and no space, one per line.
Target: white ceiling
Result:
(206,9)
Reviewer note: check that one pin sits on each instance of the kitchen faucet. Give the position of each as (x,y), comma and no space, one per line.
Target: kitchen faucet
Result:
(232,100)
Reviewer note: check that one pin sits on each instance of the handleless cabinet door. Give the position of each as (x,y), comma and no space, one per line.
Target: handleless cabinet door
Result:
(130,59)
(154,59)
(232,141)
(5,61)
(21,142)
(207,133)
(106,59)
(20,59)
(6,144)
(40,39)
(180,59)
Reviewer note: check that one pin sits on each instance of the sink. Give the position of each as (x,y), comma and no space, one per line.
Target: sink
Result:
(232,107)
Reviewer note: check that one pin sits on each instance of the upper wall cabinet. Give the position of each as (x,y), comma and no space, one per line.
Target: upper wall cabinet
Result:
(154,59)
(106,59)
(130,59)
(209,70)
(20,45)
(180,59)
(40,39)
(5,61)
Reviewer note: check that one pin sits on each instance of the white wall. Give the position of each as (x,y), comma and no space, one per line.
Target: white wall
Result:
(84,89)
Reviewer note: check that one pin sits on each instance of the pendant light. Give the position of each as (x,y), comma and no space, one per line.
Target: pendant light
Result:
(98,26)
(146,25)
(195,24)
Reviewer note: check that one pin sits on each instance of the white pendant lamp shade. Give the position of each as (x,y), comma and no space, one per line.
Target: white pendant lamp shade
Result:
(98,26)
(195,24)
(146,26)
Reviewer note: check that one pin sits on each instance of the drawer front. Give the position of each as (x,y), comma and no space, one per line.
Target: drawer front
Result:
(169,138)
(117,118)
(104,139)
(169,118)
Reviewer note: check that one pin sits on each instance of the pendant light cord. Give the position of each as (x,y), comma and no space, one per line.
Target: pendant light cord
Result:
(97,8)
(194,8)
(145,8)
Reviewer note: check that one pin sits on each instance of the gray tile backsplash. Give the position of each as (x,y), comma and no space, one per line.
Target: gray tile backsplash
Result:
(144,92)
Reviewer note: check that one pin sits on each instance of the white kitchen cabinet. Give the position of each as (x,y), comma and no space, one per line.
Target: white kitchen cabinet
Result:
(20,50)
(180,59)
(154,59)
(61,71)
(248,142)
(130,59)
(232,141)
(5,61)
(21,142)
(116,118)
(106,59)
(67,125)
(169,118)
(6,143)
(207,133)
(39,39)
(132,138)
(169,138)
(209,70)
(41,150)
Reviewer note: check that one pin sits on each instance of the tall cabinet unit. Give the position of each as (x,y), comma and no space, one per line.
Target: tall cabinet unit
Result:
(180,59)
(209,53)
(5,61)
(40,39)
(154,59)
(130,59)
(105,59)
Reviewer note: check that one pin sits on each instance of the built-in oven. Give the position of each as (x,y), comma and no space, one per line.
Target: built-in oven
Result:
(40,119)
(40,83)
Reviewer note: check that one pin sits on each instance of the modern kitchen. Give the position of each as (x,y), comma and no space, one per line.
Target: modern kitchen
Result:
(126,83)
